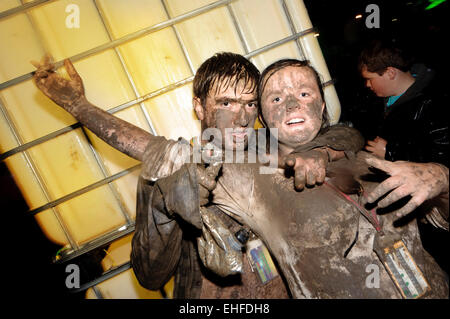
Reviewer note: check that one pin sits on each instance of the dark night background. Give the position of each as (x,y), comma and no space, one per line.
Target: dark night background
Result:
(27,261)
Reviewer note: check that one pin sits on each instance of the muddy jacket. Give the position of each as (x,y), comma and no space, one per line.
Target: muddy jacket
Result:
(164,244)
(415,126)
(322,243)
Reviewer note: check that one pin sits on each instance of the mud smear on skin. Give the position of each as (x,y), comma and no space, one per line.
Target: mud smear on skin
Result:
(313,115)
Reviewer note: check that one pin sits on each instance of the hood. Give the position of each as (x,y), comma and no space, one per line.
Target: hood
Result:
(424,76)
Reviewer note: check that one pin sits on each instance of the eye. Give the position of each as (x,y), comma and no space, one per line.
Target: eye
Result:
(226,104)
(276,100)
(304,94)
(251,104)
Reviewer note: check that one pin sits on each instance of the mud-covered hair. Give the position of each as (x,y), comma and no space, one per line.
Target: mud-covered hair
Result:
(226,69)
(281,64)
(378,55)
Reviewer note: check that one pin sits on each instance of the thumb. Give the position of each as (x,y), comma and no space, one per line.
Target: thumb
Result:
(72,71)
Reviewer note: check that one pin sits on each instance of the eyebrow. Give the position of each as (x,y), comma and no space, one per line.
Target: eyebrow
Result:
(231,99)
(299,87)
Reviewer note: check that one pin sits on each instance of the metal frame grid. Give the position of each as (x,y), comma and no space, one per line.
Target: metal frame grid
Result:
(172,22)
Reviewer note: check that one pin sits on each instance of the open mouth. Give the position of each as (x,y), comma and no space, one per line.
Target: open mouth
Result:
(295,121)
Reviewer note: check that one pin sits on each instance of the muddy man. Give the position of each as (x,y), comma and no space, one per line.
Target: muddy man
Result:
(327,243)
(164,243)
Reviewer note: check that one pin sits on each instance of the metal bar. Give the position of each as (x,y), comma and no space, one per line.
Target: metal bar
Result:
(127,38)
(148,96)
(291,26)
(39,140)
(37,176)
(113,110)
(120,174)
(238,29)
(105,276)
(180,42)
(97,293)
(98,242)
(280,42)
(106,173)
(129,77)
(82,191)
(22,8)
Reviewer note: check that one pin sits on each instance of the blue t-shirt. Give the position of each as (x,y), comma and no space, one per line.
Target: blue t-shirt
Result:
(391,100)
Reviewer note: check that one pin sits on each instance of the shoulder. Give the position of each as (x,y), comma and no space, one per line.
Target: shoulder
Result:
(163,157)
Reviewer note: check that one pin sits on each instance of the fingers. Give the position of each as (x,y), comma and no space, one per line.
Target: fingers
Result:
(300,177)
(73,74)
(310,178)
(386,186)
(320,178)
(47,59)
(204,179)
(43,69)
(393,196)
(290,160)
(384,165)
(408,208)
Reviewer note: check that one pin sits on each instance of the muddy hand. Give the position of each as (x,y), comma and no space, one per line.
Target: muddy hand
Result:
(67,93)
(207,180)
(422,181)
(377,147)
(310,167)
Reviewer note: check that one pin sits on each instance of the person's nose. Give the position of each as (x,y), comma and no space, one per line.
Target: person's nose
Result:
(368,84)
(292,103)
(242,117)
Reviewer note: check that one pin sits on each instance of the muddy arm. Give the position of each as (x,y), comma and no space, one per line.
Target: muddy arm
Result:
(69,94)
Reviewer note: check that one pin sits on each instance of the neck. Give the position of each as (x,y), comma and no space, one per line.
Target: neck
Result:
(405,81)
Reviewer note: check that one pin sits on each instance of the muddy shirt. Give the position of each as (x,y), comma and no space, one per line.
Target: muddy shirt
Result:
(164,245)
(309,232)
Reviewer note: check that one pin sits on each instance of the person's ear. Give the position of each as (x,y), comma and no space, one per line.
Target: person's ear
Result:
(198,108)
(391,73)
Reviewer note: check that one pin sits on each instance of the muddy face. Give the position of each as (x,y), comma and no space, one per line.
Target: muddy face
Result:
(231,108)
(291,102)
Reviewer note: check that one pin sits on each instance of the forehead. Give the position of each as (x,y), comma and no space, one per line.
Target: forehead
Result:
(291,76)
(369,75)
(229,87)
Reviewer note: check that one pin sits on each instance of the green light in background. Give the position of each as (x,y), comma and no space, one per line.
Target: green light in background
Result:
(434,3)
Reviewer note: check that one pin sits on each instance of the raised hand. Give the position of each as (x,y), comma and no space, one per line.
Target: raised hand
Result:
(67,93)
